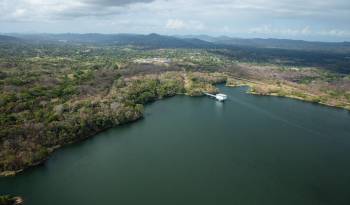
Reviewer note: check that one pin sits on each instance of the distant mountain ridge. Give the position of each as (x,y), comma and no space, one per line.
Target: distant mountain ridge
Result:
(150,40)
(5,38)
(274,43)
(331,56)
(187,41)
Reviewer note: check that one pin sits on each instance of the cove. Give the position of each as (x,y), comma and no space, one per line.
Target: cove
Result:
(194,150)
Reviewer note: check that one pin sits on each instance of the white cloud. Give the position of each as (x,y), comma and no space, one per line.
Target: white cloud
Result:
(209,8)
(287,18)
(175,24)
(305,31)
(267,29)
(18,13)
(45,10)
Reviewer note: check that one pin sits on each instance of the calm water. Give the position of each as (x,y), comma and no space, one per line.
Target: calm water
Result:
(249,150)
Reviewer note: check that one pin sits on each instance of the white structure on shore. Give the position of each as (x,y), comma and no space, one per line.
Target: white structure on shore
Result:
(219,97)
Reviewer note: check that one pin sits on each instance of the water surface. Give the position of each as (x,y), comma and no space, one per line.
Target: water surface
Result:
(248,150)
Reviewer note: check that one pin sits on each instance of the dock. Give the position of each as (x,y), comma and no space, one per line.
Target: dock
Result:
(220,97)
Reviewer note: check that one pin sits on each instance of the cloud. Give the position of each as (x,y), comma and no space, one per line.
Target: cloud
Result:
(177,24)
(44,10)
(115,2)
(267,29)
(18,13)
(292,32)
(287,18)
(236,9)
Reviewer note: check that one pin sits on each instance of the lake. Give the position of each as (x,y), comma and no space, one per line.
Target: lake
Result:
(194,150)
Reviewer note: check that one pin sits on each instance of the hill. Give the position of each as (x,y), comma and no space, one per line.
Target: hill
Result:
(338,47)
(149,41)
(5,38)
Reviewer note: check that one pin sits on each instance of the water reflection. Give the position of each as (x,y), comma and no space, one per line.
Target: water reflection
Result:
(219,107)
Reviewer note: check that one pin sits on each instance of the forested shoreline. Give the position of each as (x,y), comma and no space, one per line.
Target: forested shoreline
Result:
(53,94)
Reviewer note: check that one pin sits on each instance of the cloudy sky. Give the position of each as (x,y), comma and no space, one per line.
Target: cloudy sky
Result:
(326,20)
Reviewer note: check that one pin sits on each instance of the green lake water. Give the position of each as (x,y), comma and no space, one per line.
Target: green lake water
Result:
(197,151)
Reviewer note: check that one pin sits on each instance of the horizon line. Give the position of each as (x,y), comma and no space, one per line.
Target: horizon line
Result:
(173,35)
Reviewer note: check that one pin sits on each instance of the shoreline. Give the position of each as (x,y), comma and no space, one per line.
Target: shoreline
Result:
(301,99)
(251,92)
(12,173)
(134,112)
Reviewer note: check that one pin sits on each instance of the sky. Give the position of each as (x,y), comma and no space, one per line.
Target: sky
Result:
(316,20)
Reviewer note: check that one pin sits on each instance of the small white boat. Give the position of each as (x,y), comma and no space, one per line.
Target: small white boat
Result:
(221,97)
